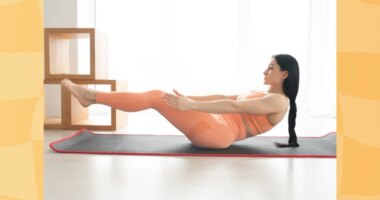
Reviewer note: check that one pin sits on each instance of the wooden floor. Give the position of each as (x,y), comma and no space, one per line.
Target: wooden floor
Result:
(114,177)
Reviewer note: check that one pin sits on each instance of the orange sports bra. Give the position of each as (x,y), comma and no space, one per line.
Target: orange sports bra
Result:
(258,123)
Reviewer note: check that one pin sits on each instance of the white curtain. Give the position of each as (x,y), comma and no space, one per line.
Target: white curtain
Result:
(221,46)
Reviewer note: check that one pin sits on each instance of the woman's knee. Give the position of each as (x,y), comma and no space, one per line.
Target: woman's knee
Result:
(155,96)
(156,92)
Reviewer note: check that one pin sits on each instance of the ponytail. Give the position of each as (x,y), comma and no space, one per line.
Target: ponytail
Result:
(292,123)
(290,86)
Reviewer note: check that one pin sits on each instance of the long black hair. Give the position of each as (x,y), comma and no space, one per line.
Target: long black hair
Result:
(290,87)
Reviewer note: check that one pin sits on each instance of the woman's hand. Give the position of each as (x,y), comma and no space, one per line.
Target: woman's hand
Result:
(178,101)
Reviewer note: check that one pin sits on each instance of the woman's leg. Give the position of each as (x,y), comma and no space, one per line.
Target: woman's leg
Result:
(203,129)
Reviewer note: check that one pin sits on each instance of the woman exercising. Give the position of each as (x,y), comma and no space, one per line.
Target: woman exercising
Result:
(215,121)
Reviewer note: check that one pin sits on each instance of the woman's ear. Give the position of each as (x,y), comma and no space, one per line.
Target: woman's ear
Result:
(284,74)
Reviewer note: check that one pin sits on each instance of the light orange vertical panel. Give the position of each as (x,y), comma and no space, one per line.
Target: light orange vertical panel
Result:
(358,99)
(21,99)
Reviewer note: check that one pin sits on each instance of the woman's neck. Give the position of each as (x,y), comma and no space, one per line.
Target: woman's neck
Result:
(276,89)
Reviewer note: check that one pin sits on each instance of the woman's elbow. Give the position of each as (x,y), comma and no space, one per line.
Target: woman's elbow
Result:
(234,108)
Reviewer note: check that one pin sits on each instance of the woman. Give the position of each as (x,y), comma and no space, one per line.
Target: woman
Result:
(215,121)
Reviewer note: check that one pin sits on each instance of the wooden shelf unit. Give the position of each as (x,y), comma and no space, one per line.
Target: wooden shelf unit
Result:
(62,51)
(64,48)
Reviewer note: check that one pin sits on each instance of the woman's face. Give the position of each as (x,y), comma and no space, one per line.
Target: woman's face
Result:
(273,74)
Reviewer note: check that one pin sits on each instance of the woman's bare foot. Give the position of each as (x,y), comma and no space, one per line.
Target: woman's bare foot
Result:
(85,96)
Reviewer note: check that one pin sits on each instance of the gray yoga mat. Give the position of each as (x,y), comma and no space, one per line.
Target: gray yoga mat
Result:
(87,142)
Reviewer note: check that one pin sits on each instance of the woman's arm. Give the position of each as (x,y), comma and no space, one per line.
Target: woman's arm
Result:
(257,106)
(264,105)
(212,97)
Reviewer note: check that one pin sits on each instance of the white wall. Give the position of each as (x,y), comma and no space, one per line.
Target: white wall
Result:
(86,13)
(60,13)
(52,100)
(221,46)
(69,13)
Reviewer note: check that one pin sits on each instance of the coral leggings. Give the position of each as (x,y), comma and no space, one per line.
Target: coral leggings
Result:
(203,129)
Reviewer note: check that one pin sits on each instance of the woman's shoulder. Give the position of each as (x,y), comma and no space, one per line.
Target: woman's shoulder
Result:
(259,91)
(265,93)
(274,97)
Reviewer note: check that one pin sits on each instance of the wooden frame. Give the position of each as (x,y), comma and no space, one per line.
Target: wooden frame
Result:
(66,34)
(50,123)
(81,113)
